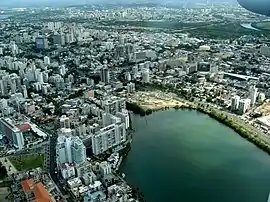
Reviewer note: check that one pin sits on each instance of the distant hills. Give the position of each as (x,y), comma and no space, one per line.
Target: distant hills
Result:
(38,3)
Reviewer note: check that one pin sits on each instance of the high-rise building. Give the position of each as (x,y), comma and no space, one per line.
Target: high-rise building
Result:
(9,130)
(64,122)
(244,105)
(3,104)
(46,60)
(145,76)
(108,137)
(124,117)
(59,39)
(70,150)
(105,168)
(105,75)
(24,91)
(41,42)
(130,87)
(235,103)
(253,92)
(78,150)
(135,71)
(114,106)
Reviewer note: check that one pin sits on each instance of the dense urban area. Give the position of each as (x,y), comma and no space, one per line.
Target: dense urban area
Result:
(71,78)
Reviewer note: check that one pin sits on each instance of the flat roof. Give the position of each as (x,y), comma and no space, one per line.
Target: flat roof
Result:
(265,120)
(241,76)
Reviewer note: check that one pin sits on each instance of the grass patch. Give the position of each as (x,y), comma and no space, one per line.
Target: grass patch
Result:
(263,25)
(26,162)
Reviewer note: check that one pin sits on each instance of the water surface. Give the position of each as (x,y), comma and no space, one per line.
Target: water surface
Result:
(186,156)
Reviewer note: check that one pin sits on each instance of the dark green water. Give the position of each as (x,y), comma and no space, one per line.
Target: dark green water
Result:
(185,156)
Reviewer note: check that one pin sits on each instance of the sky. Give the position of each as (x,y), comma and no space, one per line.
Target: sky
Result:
(19,3)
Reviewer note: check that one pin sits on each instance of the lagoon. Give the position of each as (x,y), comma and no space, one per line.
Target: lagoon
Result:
(184,155)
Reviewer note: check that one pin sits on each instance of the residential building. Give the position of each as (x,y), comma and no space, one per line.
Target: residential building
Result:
(235,103)
(108,137)
(244,105)
(253,93)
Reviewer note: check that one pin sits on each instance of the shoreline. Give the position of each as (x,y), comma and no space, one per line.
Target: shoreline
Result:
(256,139)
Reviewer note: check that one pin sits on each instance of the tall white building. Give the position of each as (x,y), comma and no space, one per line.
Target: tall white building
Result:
(15,136)
(108,137)
(70,150)
(244,105)
(253,92)
(46,60)
(64,122)
(105,168)
(235,103)
(124,117)
(24,91)
(145,76)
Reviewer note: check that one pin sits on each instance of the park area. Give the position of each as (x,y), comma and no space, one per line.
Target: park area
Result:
(26,162)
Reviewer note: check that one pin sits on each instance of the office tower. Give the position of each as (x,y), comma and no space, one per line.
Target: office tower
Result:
(253,92)
(244,105)
(41,42)
(70,150)
(105,75)
(61,153)
(59,39)
(145,76)
(14,135)
(78,150)
(46,60)
(235,103)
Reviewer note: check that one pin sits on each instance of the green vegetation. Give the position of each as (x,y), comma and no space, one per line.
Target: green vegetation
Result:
(26,162)
(224,30)
(262,25)
(137,109)
(5,184)
(3,172)
(244,132)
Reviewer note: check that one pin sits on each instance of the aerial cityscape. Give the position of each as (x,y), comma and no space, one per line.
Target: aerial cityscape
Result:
(145,101)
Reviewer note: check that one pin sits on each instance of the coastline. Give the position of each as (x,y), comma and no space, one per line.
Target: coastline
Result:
(256,139)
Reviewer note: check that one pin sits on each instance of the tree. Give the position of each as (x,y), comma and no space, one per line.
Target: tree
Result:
(3,171)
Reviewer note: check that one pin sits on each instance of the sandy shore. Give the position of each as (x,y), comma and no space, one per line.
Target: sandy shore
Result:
(156,100)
